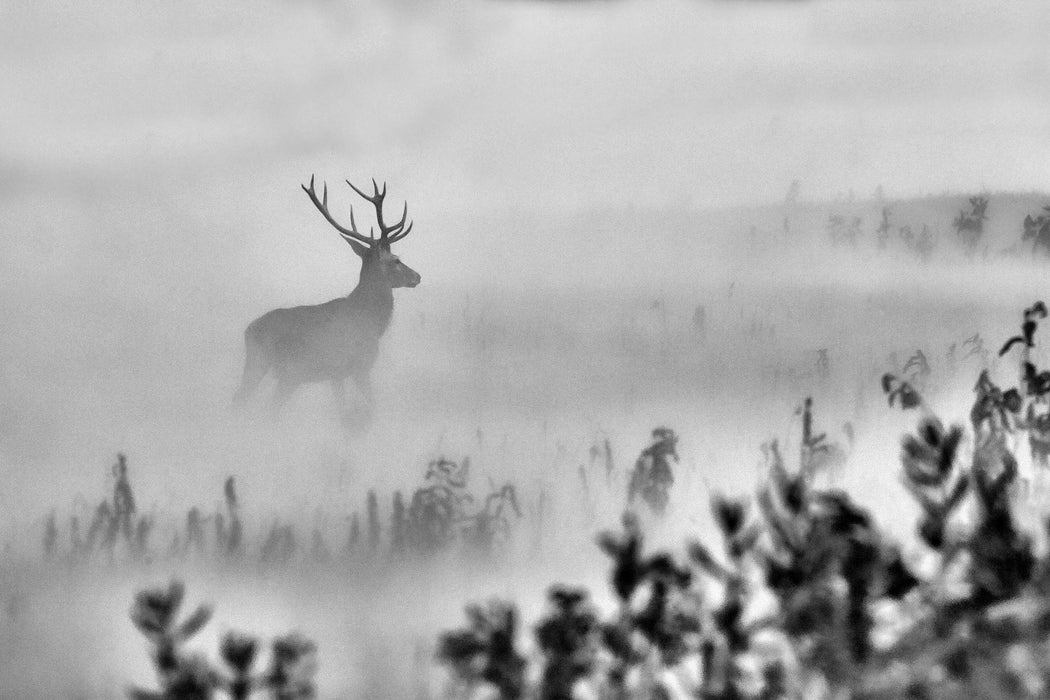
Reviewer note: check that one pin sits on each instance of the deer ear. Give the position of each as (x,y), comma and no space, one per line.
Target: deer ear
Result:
(362,250)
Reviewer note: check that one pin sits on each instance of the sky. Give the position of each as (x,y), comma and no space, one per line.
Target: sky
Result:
(484,104)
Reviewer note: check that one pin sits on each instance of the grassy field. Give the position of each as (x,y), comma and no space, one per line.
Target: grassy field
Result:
(522,379)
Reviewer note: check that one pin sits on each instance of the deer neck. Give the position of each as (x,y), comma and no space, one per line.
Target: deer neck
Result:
(374,296)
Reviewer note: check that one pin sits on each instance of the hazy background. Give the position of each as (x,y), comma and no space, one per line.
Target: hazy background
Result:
(582,176)
(150,162)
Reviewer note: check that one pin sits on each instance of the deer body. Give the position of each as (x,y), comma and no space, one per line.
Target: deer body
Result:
(338,339)
(334,340)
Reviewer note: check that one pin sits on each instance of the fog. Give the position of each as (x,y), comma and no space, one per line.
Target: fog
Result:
(583,176)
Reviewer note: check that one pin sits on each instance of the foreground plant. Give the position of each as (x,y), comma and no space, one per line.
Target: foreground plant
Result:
(485,653)
(652,477)
(184,675)
(181,675)
(812,599)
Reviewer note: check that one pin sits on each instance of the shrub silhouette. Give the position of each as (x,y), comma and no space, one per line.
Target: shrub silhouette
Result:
(786,605)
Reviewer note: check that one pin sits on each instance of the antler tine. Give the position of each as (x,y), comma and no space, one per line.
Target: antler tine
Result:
(322,206)
(387,234)
(363,195)
(399,230)
(395,229)
(353,225)
(401,234)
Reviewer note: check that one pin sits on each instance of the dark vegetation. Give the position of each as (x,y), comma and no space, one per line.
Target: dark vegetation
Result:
(440,516)
(804,594)
(922,240)
(191,676)
(652,477)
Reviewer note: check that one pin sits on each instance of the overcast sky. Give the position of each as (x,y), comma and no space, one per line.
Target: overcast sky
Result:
(566,103)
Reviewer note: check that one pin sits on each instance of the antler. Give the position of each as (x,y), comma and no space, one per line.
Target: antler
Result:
(322,206)
(387,234)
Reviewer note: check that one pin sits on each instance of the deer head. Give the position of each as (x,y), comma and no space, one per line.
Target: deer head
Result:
(378,264)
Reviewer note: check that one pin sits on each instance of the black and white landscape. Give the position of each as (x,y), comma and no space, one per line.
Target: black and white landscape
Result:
(704,337)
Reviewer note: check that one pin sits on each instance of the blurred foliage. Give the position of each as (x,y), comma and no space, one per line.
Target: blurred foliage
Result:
(190,676)
(806,596)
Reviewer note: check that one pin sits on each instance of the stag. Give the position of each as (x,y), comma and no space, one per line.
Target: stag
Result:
(338,339)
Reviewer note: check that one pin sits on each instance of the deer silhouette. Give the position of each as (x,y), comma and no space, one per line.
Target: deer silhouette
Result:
(338,339)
